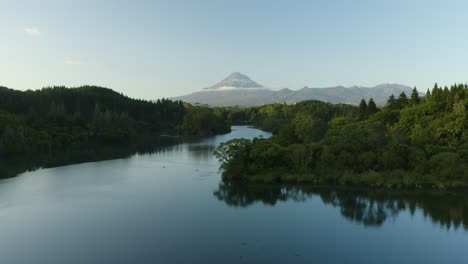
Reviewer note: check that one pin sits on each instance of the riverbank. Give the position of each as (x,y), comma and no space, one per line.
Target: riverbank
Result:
(371,179)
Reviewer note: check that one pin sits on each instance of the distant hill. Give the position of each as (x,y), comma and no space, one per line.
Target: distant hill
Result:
(239,89)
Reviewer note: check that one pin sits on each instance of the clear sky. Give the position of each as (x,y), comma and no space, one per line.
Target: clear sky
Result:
(152,49)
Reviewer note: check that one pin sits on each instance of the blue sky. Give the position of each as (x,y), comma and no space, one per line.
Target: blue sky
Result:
(153,49)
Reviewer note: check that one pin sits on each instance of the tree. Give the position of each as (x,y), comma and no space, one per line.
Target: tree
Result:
(203,121)
(60,117)
(414,99)
(309,129)
(428,95)
(362,110)
(233,156)
(448,166)
(402,100)
(298,156)
(392,102)
(372,107)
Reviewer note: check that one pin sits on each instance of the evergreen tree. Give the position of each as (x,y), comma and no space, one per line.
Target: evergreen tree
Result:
(414,99)
(391,102)
(362,110)
(402,100)
(372,107)
(428,95)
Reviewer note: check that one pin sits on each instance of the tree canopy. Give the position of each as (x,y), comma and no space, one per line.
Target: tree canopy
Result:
(413,142)
(59,117)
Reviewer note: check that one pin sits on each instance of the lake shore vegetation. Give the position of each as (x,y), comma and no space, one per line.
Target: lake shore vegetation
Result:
(412,142)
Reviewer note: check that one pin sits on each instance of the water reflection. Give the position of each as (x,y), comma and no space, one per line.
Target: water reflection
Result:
(201,151)
(12,167)
(368,207)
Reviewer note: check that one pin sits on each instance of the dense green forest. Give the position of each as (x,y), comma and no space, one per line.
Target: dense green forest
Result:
(58,118)
(412,141)
(272,116)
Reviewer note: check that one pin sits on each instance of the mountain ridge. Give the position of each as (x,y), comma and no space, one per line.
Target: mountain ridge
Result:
(238,89)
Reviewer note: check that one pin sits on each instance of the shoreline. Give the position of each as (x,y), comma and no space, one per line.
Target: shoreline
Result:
(307,180)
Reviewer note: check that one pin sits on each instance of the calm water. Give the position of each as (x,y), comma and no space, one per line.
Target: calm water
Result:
(170,207)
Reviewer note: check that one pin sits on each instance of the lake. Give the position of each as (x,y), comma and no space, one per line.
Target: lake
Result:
(170,206)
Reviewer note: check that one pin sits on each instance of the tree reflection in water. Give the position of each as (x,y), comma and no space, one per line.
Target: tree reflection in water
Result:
(12,167)
(369,207)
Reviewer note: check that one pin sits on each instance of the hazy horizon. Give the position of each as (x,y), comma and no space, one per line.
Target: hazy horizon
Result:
(154,49)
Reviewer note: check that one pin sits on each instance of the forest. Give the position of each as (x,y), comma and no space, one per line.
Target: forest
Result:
(413,141)
(61,118)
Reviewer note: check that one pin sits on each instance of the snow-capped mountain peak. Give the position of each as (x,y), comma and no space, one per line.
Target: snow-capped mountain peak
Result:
(235,80)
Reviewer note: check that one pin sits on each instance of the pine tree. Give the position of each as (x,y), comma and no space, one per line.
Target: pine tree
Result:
(414,99)
(428,95)
(402,100)
(372,107)
(436,94)
(362,110)
(391,102)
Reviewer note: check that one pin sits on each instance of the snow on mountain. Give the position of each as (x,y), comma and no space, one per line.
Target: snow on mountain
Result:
(239,89)
(235,80)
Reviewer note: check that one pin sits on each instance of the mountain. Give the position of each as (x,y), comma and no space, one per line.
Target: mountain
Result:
(239,89)
(235,80)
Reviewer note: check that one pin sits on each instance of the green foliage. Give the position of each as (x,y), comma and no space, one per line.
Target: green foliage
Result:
(414,99)
(272,117)
(202,121)
(61,118)
(448,166)
(234,157)
(308,129)
(365,110)
(392,102)
(408,143)
(372,107)
(402,100)
(362,110)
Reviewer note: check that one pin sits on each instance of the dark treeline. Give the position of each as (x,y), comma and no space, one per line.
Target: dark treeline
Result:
(413,141)
(58,118)
(368,207)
